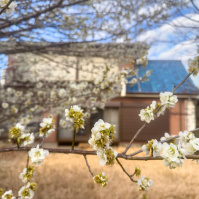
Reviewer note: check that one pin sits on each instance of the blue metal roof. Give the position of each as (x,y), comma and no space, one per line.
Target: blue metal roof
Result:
(165,75)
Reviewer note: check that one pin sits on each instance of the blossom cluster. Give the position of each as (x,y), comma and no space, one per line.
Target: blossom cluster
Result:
(144,183)
(18,133)
(27,174)
(47,127)
(173,153)
(37,155)
(8,195)
(101,138)
(194,65)
(101,179)
(27,191)
(167,100)
(76,116)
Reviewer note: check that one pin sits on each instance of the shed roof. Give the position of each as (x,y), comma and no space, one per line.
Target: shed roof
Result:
(165,75)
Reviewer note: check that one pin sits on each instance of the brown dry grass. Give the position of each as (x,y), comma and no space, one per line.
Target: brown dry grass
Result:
(66,176)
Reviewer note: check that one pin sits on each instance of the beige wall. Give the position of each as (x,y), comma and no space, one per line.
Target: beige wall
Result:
(62,68)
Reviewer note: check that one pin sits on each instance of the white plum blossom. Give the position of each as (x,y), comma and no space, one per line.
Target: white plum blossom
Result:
(186,136)
(47,127)
(101,137)
(147,114)
(21,127)
(100,125)
(170,151)
(133,81)
(26,192)
(144,183)
(173,164)
(53,95)
(195,143)
(190,149)
(193,65)
(76,116)
(102,157)
(8,195)
(46,122)
(27,138)
(9,90)
(39,85)
(157,146)
(76,108)
(14,109)
(106,158)
(37,155)
(165,137)
(63,123)
(62,93)
(101,179)
(87,115)
(146,149)
(148,72)
(153,105)
(25,176)
(72,100)
(168,99)
(5,105)
(172,155)
(67,115)
(161,111)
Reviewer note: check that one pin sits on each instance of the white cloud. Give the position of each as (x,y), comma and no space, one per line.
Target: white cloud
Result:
(181,45)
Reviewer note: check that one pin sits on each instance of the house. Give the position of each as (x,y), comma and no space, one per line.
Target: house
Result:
(123,111)
(166,74)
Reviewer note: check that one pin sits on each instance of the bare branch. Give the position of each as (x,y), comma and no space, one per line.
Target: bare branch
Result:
(125,171)
(131,142)
(89,168)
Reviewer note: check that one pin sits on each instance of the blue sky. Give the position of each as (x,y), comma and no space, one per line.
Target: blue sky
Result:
(169,43)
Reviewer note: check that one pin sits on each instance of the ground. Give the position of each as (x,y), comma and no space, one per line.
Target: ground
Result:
(64,176)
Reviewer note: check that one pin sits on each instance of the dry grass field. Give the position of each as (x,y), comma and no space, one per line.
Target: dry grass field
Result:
(66,177)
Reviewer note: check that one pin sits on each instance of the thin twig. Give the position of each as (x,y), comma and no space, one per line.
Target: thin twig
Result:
(125,170)
(42,141)
(89,168)
(131,142)
(176,87)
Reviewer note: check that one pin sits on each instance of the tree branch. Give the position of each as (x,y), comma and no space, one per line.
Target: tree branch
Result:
(125,171)
(88,165)
(176,87)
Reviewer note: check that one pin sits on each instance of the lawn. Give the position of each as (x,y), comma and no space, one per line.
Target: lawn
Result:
(64,176)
